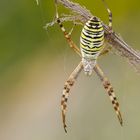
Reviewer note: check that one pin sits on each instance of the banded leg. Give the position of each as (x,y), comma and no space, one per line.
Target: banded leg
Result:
(110,15)
(67,35)
(68,84)
(108,87)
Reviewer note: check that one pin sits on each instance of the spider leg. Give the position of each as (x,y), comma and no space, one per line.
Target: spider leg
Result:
(67,35)
(110,15)
(106,50)
(108,87)
(71,29)
(67,86)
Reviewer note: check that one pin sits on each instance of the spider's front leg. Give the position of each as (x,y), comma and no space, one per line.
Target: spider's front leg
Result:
(110,91)
(68,84)
(108,87)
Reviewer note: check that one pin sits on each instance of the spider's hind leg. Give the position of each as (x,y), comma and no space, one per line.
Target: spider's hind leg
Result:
(110,16)
(67,35)
(70,32)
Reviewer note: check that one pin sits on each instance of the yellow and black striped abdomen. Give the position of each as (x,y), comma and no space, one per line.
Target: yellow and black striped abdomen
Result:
(92,38)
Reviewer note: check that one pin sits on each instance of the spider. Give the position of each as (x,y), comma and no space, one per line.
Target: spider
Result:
(91,47)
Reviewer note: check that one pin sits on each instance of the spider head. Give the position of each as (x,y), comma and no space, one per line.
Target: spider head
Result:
(88,65)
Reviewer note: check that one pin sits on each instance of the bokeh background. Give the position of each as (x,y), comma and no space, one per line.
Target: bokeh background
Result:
(34,63)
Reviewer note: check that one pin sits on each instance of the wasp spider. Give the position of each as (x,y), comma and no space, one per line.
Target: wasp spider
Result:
(91,47)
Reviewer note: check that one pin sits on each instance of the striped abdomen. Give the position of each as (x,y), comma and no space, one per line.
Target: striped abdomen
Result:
(91,43)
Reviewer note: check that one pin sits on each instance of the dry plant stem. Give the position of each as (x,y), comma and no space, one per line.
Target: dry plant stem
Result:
(72,18)
(113,39)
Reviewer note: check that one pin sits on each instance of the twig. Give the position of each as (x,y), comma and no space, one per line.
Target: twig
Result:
(122,48)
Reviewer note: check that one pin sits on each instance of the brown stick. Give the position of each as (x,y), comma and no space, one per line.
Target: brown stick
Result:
(123,49)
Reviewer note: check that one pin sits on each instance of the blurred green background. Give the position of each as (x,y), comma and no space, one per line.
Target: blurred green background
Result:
(34,63)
